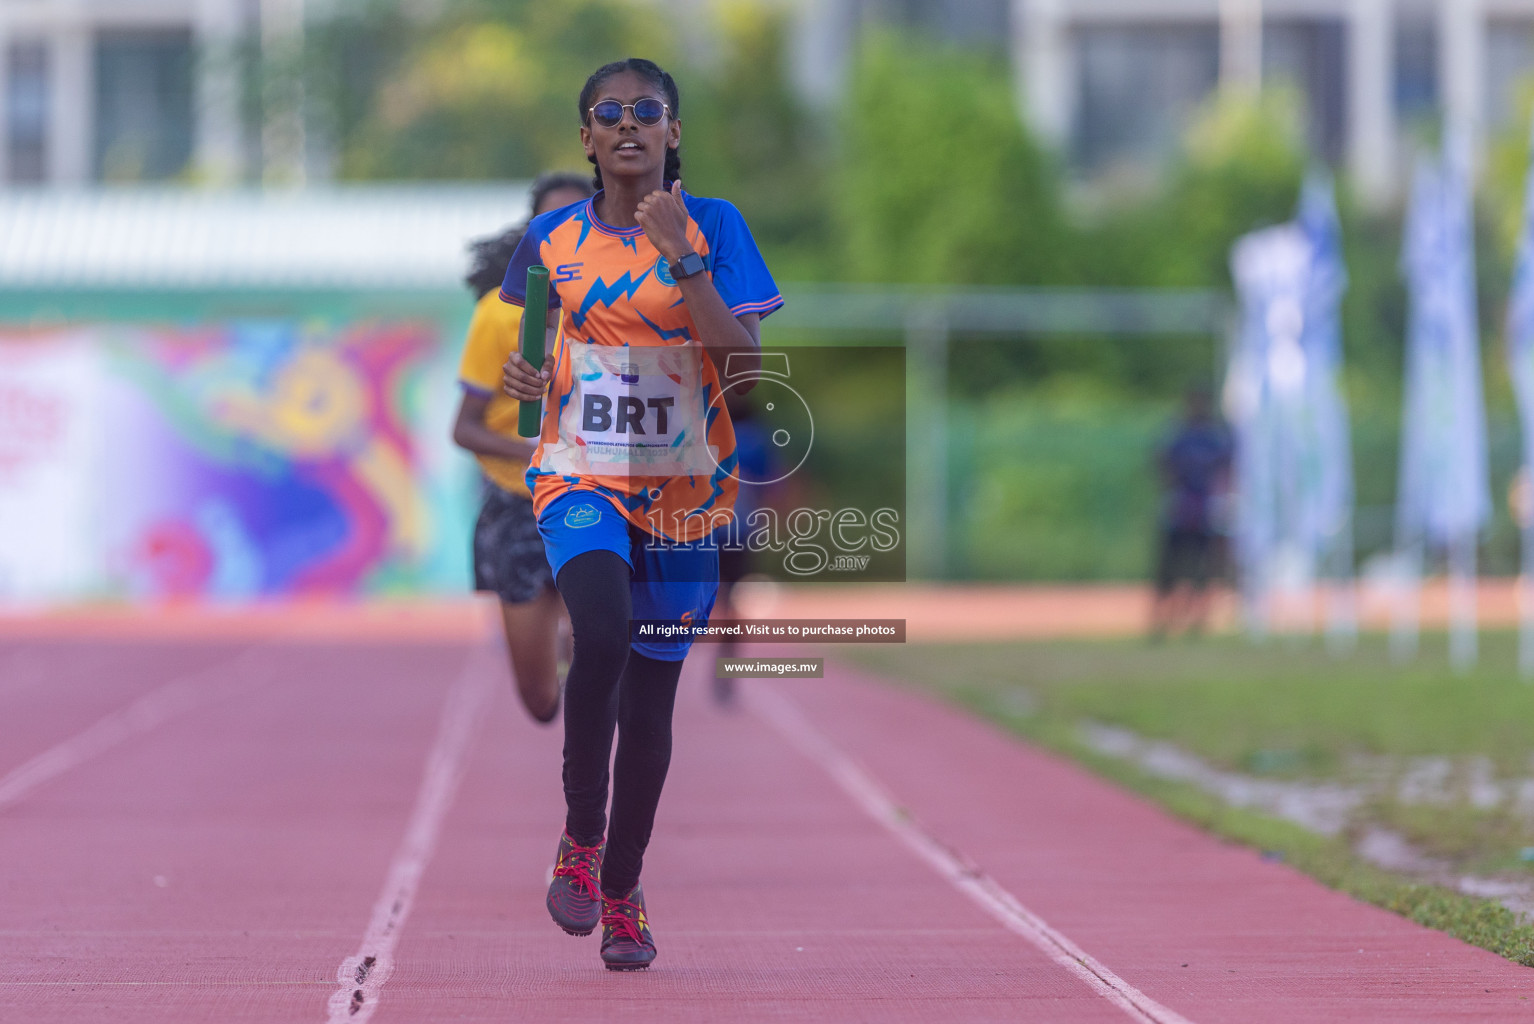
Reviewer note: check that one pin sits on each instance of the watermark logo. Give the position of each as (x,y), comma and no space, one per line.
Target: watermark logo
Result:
(818,494)
(787,427)
(803,542)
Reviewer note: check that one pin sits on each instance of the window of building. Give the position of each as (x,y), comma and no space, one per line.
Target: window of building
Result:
(143,105)
(978,23)
(1509,70)
(1138,88)
(1416,79)
(26,111)
(1311,55)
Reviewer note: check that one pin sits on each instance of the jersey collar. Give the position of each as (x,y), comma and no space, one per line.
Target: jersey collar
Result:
(608,229)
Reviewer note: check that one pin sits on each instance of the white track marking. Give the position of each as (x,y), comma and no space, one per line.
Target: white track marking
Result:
(147,712)
(959,870)
(361,977)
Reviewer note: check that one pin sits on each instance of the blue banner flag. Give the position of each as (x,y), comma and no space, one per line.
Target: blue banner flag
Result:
(1520,322)
(1520,366)
(1294,470)
(1331,512)
(1444,491)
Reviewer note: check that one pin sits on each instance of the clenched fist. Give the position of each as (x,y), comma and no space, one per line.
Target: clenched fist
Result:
(664,219)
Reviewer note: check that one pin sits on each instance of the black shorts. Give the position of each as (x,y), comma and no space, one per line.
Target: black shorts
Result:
(508,550)
(1186,555)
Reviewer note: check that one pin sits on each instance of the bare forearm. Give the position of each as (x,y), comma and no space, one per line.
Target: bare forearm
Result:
(481,440)
(720,331)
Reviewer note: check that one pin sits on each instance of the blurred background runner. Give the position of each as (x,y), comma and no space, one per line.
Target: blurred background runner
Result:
(508,552)
(1194,465)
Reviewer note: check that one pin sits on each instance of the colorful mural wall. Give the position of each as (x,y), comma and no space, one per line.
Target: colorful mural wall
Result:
(238,461)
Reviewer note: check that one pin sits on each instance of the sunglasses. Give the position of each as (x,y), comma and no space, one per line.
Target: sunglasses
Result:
(609,113)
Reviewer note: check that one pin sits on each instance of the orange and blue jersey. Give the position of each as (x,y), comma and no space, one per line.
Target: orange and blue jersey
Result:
(615,290)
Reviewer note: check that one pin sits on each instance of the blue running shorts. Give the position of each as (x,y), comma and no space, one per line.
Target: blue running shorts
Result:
(674,583)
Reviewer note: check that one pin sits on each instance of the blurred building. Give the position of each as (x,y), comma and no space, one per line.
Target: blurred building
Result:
(1113,83)
(132,90)
(1115,79)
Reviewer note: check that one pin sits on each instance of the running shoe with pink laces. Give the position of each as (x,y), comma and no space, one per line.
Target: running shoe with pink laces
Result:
(575,895)
(627,944)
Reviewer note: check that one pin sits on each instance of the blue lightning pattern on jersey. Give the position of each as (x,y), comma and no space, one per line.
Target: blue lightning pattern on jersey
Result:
(585,223)
(606,294)
(665,335)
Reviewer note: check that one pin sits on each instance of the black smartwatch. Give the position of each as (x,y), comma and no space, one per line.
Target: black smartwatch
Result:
(688,266)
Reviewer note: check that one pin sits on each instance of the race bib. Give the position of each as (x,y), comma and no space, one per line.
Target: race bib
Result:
(635,412)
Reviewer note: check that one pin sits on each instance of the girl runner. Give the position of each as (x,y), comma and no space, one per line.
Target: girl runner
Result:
(508,553)
(635,466)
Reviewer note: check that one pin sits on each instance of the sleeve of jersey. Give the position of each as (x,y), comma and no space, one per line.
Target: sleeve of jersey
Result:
(529,254)
(740,274)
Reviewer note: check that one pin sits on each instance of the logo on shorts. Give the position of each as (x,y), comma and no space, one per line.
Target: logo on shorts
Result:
(663,273)
(581,516)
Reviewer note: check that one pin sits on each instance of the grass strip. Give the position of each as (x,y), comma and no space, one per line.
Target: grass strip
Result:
(1330,860)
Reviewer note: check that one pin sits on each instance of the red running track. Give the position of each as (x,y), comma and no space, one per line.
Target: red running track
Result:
(231,827)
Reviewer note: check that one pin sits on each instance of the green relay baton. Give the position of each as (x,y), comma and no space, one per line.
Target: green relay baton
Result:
(534,313)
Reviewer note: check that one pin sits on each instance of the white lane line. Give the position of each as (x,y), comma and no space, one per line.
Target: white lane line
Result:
(958,869)
(151,710)
(361,977)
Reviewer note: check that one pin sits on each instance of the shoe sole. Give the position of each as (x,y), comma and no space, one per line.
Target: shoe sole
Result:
(578,932)
(626,967)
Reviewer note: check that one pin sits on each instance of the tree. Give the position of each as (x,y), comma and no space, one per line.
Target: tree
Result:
(937,180)
(1239,169)
(486,90)
(746,137)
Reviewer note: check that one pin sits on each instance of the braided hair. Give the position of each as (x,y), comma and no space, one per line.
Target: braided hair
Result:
(650,72)
(491,256)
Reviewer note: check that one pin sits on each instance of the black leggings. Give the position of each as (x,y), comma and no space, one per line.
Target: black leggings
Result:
(609,686)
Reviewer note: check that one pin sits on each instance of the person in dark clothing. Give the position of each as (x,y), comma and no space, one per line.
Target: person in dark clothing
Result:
(1195,468)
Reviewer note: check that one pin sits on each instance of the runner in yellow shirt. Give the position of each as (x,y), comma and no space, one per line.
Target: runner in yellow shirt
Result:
(509,558)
